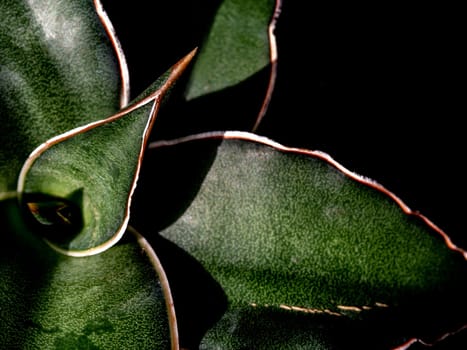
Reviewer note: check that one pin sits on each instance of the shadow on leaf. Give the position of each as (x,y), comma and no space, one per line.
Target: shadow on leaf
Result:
(58,220)
(199,300)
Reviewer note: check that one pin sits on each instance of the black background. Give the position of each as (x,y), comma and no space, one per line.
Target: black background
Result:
(390,101)
(391,78)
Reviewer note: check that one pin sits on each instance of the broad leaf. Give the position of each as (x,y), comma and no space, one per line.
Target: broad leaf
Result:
(58,70)
(52,301)
(78,185)
(301,247)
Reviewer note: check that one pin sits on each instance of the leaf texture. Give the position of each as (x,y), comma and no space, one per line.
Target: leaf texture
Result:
(294,238)
(52,301)
(95,168)
(59,69)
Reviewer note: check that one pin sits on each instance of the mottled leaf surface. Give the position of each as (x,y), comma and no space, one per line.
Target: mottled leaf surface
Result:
(236,47)
(51,301)
(95,169)
(58,70)
(288,235)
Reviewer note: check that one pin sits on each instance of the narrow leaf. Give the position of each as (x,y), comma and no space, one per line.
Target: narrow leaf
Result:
(295,238)
(93,168)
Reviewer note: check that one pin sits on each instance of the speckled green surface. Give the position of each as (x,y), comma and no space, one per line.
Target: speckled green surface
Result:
(58,71)
(101,164)
(49,301)
(293,227)
(236,48)
(290,231)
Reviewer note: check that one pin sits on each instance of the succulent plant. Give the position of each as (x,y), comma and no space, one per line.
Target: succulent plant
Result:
(168,219)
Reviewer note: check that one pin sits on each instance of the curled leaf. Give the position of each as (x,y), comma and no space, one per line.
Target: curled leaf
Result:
(61,66)
(52,301)
(99,161)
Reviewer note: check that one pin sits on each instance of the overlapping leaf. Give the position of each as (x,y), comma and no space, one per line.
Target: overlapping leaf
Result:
(94,169)
(301,247)
(51,301)
(74,169)
(58,70)
(308,254)
(233,76)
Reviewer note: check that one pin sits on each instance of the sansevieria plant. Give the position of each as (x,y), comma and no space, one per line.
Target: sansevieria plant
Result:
(167,220)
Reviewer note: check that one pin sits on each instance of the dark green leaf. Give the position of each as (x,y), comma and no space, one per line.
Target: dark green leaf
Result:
(237,46)
(52,301)
(291,231)
(58,70)
(93,168)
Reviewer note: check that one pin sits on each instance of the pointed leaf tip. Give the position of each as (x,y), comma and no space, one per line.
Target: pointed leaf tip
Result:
(181,65)
(101,161)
